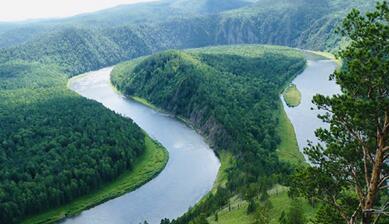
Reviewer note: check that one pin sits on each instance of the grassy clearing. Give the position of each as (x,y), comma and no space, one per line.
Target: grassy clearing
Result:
(226,161)
(281,202)
(149,165)
(288,150)
(325,55)
(236,213)
(292,96)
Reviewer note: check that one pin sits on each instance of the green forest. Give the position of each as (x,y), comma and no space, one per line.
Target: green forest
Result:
(126,32)
(231,95)
(55,145)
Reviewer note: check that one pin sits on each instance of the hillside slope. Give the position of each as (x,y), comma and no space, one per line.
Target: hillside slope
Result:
(53,148)
(183,24)
(37,57)
(231,95)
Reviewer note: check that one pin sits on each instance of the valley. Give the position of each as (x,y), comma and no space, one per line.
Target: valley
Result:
(197,112)
(189,174)
(182,67)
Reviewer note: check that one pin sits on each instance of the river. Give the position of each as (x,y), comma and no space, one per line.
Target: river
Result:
(314,80)
(189,174)
(192,167)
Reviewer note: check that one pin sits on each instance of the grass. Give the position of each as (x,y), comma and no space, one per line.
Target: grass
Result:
(145,102)
(236,213)
(226,161)
(281,202)
(288,150)
(326,55)
(233,214)
(292,96)
(149,165)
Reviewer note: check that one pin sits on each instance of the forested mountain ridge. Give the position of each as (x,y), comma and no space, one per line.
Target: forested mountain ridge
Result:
(12,34)
(36,58)
(185,24)
(231,95)
(79,48)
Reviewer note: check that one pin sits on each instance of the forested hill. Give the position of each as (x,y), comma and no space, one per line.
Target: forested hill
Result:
(78,46)
(77,50)
(53,148)
(169,24)
(224,91)
(230,94)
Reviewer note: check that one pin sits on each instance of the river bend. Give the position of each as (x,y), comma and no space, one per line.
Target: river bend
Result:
(189,174)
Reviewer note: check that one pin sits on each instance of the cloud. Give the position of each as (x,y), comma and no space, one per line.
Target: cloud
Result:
(16,10)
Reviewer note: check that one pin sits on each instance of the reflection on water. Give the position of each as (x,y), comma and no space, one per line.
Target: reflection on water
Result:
(189,174)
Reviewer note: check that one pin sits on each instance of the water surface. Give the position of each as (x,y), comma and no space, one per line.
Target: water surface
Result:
(189,173)
(314,80)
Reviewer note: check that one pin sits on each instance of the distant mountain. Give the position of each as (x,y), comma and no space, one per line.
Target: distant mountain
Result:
(16,33)
(48,124)
(185,23)
(80,47)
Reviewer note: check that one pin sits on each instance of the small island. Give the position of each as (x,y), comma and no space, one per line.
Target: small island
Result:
(292,96)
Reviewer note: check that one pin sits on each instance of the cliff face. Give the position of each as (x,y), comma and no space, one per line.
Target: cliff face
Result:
(199,116)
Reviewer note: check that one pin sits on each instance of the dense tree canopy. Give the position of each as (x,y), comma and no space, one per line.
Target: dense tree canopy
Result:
(230,96)
(230,93)
(55,146)
(128,31)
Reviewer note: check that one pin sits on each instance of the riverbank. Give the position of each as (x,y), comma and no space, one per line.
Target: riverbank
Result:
(149,165)
(188,176)
(327,55)
(288,151)
(226,158)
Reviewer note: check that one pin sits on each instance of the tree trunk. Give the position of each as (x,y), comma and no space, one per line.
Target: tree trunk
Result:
(374,180)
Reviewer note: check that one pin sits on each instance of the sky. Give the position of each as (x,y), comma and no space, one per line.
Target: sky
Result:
(18,10)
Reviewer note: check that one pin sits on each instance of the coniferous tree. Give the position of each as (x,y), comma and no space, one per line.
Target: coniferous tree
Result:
(350,172)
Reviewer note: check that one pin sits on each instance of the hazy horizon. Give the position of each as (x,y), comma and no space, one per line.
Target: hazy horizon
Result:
(21,10)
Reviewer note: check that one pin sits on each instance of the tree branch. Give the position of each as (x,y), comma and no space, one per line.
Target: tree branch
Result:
(386,123)
(332,201)
(358,188)
(357,137)
(339,208)
(383,180)
(367,178)
(355,213)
